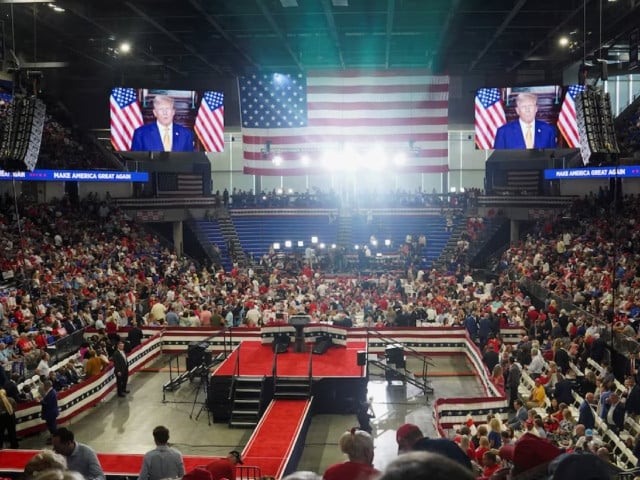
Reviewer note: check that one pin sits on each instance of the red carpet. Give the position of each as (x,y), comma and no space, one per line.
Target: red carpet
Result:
(257,360)
(112,463)
(274,438)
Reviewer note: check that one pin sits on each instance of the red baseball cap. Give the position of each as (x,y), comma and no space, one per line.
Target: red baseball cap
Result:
(406,430)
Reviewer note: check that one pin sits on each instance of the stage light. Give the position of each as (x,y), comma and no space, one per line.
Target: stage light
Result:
(399,159)
(300,243)
(563,41)
(377,158)
(462,188)
(277,160)
(374,243)
(56,8)
(276,246)
(125,47)
(452,190)
(314,239)
(279,191)
(333,245)
(287,244)
(322,245)
(387,242)
(290,191)
(357,247)
(305,160)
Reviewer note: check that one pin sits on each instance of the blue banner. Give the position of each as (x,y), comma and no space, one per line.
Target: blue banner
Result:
(627,171)
(75,176)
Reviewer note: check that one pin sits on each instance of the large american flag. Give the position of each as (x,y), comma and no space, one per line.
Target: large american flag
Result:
(567,122)
(489,116)
(210,122)
(126,116)
(353,111)
(179,184)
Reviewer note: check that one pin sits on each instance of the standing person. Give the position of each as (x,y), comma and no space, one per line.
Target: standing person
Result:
(50,410)
(225,467)
(80,457)
(526,131)
(163,461)
(121,369)
(7,419)
(358,446)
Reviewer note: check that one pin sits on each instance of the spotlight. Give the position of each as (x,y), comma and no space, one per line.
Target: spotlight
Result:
(322,245)
(287,244)
(305,160)
(563,41)
(314,239)
(277,160)
(399,159)
(125,47)
(387,242)
(300,243)
(276,246)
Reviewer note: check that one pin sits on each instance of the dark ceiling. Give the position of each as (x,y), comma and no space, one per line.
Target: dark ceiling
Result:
(192,44)
(182,39)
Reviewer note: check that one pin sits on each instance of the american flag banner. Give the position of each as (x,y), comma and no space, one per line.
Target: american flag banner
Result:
(489,116)
(126,116)
(179,184)
(210,122)
(567,122)
(348,111)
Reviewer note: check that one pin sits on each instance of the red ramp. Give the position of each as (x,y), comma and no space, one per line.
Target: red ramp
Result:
(275,438)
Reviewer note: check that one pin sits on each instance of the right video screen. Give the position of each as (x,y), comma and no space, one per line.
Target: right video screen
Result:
(534,117)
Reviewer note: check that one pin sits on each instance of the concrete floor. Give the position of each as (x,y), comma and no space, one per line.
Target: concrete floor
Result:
(125,424)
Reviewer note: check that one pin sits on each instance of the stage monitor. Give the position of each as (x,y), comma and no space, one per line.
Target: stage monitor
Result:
(145,120)
(520,118)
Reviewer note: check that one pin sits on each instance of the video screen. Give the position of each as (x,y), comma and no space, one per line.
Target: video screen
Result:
(541,117)
(145,120)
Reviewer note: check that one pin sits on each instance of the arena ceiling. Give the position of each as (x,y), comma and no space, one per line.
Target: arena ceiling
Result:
(203,38)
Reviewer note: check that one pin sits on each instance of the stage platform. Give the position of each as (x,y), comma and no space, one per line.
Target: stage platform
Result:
(256,360)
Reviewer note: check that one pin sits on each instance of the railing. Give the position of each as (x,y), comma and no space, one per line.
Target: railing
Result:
(274,369)
(421,357)
(310,370)
(236,373)
(65,346)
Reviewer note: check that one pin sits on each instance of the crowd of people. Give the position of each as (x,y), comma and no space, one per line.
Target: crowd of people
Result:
(119,276)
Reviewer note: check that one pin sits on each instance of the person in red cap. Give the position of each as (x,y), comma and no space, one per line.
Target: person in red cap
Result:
(406,436)
(225,467)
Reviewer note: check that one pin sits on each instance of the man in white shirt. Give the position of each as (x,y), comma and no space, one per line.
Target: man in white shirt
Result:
(163,461)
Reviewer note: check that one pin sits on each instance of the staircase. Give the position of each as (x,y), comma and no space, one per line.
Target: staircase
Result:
(292,388)
(345,228)
(247,399)
(232,240)
(392,372)
(451,247)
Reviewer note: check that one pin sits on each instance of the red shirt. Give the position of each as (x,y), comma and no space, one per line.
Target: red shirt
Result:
(350,470)
(222,468)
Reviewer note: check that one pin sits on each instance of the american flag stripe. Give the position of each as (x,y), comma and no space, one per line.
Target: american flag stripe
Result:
(567,122)
(126,116)
(393,109)
(179,184)
(489,116)
(209,125)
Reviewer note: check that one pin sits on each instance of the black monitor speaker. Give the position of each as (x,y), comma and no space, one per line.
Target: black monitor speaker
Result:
(280,343)
(323,343)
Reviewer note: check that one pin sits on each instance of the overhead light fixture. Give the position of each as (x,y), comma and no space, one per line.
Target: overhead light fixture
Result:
(56,8)
(125,47)
(563,41)
(289,3)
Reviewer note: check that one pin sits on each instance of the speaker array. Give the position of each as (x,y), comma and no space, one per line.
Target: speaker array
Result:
(22,134)
(595,126)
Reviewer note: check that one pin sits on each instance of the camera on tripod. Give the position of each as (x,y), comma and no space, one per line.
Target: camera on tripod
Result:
(197,355)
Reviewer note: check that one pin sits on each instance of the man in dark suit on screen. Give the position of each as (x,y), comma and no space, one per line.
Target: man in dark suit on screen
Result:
(526,132)
(163,135)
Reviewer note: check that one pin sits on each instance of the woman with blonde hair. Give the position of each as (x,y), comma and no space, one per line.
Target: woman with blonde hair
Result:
(7,419)
(358,446)
(44,461)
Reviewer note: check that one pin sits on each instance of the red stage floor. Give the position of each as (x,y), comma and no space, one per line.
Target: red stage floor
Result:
(257,360)
(112,463)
